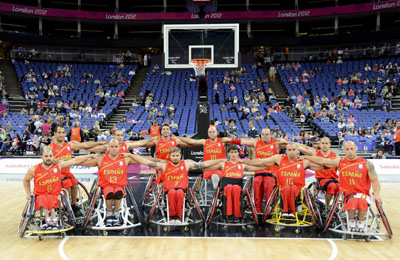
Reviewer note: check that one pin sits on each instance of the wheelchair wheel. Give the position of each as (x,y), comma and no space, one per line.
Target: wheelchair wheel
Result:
(252,206)
(310,203)
(84,195)
(211,211)
(26,216)
(132,202)
(94,187)
(196,204)
(91,207)
(197,184)
(67,211)
(269,206)
(384,219)
(332,211)
(153,209)
(248,186)
(149,187)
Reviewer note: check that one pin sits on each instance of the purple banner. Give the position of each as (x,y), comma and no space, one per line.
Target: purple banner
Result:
(276,14)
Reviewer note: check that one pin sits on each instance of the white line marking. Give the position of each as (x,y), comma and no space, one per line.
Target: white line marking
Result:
(334,249)
(61,249)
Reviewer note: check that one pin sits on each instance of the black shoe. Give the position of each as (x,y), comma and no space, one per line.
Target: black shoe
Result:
(236,219)
(229,219)
(77,211)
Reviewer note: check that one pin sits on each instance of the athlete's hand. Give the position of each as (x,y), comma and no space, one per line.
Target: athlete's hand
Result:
(103,142)
(57,161)
(126,155)
(378,198)
(28,196)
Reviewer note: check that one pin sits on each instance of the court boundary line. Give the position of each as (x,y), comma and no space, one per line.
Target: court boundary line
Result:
(61,248)
(334,249)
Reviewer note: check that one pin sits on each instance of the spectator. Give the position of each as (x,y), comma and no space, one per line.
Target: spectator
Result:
(379,154)
(232,132)
(252,133)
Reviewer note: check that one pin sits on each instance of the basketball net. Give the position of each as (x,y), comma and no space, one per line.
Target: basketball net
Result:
(199,66)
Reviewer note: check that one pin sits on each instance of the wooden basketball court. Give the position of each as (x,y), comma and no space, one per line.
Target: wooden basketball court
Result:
(12,247)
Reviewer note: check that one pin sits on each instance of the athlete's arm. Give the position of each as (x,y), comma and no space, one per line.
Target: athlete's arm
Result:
(218,166)
(252,168)
(30,174)
(265,163)
(312,166)
(376,186)
(330,163)
(92,162)
(191,142)
(306,150)
(75,146)
(76,161)
(141,160)
(240,141)
(150,142)
(192,165)
(99,149)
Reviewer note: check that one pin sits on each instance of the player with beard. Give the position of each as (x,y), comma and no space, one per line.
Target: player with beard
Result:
(47,183)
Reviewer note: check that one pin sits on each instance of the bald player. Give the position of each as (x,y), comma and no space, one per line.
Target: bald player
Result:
(213,149)
(47,184)
(265,179)
(125,147)
(113,168)
(290,175)
(356,175)
(63,150)
(327,178)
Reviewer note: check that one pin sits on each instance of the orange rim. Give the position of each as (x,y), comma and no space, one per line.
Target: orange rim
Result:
(200,62)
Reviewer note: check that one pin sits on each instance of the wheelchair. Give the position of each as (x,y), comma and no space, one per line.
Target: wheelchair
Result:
(307,213)
(156,211)
(338,218)
(318,192)
(82,203)
(32,220)
(149,192)
(217,211)
(95,212)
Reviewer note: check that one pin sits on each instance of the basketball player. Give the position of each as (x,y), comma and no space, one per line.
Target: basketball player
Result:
(231,182)
(125,147)
(63,150)
(290,175)
(174,178)
(213,149)
(47,184)
(265,179)
(113,168)
(356,175)
(327,178)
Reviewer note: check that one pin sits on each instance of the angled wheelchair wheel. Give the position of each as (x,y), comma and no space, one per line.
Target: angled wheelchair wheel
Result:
(26,216)
(212,208)
(270,205)
(67,211)
(91,207)
(84,195)
(310,203)
(93,187)
(149,187)
(332,211)
(197,184)
(132,201)
(196,204)
(251,204)
(153,209)
(248,186)
(384,219)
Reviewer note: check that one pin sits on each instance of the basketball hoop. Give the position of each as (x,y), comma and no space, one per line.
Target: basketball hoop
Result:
(199,66)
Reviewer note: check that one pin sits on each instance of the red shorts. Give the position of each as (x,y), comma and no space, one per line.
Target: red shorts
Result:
(113,189)
(357,202)
(208,174)
(68,181)
(47,201)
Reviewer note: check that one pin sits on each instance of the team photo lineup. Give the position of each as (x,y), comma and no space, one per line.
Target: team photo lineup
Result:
(254,127)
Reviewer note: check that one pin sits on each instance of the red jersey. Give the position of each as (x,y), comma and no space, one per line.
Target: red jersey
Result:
(354,176)
(326,173)
(266,150)
(154,131)
(233,170)
(163,148)
(175,176)
(291,173)
(214,150)
(47,181)
(63,152)
(113,172)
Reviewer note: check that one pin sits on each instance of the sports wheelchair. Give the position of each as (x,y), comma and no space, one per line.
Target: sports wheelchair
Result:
(95,213)
(156,211)
(338,218)
(32,220)
(217,211)
(203,191)
(307,213)
(318,192)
